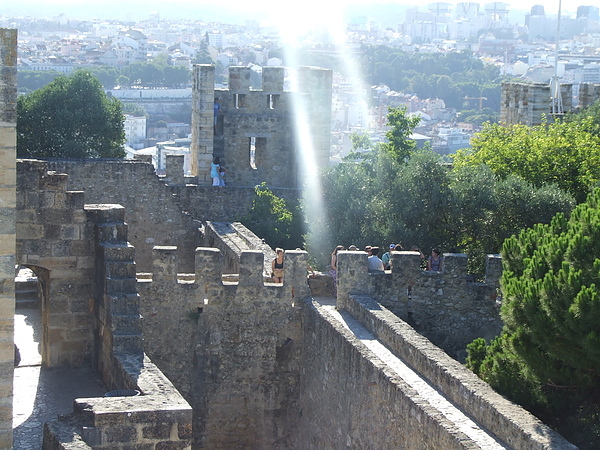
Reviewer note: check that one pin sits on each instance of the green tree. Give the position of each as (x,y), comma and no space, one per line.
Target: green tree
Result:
(71,117)
(548,355)
(399,144)
(564,153)
(273,219)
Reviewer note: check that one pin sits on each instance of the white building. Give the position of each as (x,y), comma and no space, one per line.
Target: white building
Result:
(135,131)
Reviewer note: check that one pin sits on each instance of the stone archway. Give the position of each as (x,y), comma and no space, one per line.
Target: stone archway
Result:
(56,239)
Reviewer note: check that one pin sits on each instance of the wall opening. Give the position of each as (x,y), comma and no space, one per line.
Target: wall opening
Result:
(256,148)
(252,152)
(272,101)
(239,100)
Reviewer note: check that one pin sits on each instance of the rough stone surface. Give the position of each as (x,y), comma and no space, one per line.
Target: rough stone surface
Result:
(8,122)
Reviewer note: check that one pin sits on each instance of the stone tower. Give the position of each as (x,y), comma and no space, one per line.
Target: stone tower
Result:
(255,132)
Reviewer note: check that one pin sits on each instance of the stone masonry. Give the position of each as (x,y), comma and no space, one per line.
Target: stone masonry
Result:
(254,133)
(262,365)
(8,181)
(528,103)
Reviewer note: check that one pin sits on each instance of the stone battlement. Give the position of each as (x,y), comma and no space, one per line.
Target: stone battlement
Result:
(445,306)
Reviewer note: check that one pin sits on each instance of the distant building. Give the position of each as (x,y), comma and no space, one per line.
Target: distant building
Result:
(135,131)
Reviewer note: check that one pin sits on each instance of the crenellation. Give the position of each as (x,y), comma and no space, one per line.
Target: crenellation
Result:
(174,170)
(164,263)
(251,268)
(273,80)
(444,306)
(239,79)
(208,267)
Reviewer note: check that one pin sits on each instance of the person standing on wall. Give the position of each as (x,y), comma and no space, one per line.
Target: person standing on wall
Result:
(277,266)
(215,168)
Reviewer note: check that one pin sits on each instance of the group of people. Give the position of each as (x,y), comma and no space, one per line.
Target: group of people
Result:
(377,264)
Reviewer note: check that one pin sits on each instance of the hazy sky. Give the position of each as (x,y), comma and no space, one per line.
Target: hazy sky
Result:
(295,11)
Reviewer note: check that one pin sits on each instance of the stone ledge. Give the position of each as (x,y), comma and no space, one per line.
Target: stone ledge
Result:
(511,423)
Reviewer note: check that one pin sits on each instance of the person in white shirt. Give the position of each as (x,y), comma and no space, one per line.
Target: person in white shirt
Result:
(375,264)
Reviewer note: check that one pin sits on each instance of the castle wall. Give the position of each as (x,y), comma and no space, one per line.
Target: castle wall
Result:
(237,357)
(444,306)
(8,177)
(55,239)
(528,103)
(588,94)
(151,213)
(159,417)
(350,397)
(154,205)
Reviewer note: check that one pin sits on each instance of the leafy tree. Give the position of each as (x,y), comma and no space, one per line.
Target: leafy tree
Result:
(548,355)
(275,220)
(592,113)
(399,144)
(564,153)
(71,117)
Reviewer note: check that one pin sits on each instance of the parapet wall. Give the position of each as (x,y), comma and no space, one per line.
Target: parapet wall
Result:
(351,396)
(444,306)
(237,358)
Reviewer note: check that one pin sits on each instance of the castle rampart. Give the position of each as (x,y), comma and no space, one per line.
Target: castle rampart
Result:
(444,306)
(350,381)
(241,383)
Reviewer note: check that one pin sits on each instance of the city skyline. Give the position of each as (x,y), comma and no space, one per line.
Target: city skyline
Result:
(310,11)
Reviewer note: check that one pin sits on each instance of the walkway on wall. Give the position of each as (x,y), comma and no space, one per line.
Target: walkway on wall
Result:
(466,425)
(40,394)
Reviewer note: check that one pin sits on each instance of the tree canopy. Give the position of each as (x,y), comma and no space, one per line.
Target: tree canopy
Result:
(548,355)
(394,193)
(566,154)
(71,117)
(275,219)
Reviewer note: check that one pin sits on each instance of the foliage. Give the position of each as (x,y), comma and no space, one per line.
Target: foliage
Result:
(31,80)
(478,117)
(378,200)
(399,144)
(275,219)
(548,355)
(71,117)
(450,76)
(592,113)
(157,72)
(562,153)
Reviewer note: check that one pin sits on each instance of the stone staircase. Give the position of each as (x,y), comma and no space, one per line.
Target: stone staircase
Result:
(26,290)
